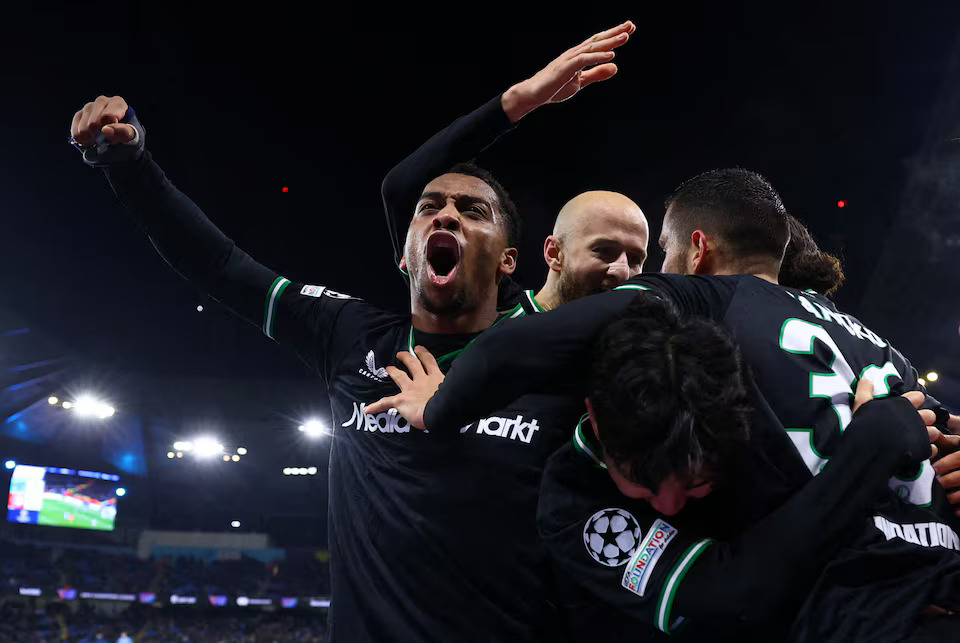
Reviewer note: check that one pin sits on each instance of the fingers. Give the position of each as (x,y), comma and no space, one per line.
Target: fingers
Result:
(928,417)
(427,360)
(399,378)
(954,423)
(916,398)
(411,362)
(950,480)
(598,73)
(605,44)
(382,405)
(954,499)
(948,443)
(623,28)
(119,133)
(571,66)
(863,394)
(90,120)
(946,464)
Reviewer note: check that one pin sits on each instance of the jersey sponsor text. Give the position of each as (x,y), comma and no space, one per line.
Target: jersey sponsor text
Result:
(926,534)
(386,422)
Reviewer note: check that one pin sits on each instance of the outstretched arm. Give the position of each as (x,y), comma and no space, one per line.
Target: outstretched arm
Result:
(193,246)
(468,136)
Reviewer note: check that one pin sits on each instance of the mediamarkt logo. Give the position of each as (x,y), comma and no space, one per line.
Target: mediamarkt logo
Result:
(386,422)
(514,429)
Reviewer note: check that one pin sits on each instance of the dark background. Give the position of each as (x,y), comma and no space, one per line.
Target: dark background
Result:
(855,101)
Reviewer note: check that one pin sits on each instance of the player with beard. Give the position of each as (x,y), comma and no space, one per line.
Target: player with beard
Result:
(431,539)
(724,236)
(599,237)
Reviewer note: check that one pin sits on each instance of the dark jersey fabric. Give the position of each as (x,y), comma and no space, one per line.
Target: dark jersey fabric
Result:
(805,357)
(432,536)
(459,142)
(704,571)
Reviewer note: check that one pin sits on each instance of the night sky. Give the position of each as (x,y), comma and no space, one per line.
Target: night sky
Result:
(830,102)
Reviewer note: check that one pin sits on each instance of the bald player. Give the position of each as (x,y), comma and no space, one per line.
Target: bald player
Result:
(599,241)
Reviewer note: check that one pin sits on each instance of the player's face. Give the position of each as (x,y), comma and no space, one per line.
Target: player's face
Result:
(608,248)
(677,249)
(456,244)
(669,498)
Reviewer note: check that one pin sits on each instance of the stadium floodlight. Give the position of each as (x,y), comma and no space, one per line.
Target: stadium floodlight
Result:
(88,406)
(312,471)
(179,454)
(171,454)
(183,445)
(199,309)
(242,451)
(313,428)
(53,399)
(286,471)
(206,447)
(921,381)
(226,458)
(9,464)
(235,458)
(303,471)
(67,404)
(235,524)
(121,492)
(933,376)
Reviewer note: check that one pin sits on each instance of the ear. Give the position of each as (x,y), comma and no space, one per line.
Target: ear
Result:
(508,261)
(702,260)
(592,416)
(403,263)
(552,254)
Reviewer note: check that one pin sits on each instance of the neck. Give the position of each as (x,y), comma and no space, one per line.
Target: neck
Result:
(761,270)
(549,296)
(466,320)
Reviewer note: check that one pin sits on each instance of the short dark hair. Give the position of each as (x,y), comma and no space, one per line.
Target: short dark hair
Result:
(668,394)
(805,266)
(507,207)
(739,206)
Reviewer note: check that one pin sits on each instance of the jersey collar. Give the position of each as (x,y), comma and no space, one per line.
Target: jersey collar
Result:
(527,306)
(586,445)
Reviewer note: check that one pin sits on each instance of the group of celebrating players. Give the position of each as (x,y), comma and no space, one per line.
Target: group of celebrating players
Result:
(620,455)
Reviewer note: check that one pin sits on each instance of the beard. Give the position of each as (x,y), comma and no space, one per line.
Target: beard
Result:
(448,307)
(573,286)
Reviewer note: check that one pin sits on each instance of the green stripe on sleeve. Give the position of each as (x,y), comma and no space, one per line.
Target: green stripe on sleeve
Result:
(269,316)
(631,287)
(669,591)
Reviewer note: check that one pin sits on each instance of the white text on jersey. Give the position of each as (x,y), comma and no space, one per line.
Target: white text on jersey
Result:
(386,422)
(926,534)
(848,323)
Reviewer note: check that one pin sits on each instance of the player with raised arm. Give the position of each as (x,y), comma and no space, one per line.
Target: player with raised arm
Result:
(727,229)
(430,539)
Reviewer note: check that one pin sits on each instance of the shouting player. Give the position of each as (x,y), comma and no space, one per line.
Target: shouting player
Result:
(728,229)
(430,539)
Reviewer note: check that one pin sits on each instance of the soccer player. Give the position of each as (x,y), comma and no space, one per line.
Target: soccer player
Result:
(727,229)
(431,539)
(599,237)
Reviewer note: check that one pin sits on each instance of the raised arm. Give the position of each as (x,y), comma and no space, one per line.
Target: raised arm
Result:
(111,137)
(469,135)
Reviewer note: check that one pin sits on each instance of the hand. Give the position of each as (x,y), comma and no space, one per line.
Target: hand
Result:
(102,116)
(864,394)
(567,75)
(947,468)
(416,389)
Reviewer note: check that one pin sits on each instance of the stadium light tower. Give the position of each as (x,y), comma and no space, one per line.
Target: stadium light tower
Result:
(121,492)
(10,464)
(87,406)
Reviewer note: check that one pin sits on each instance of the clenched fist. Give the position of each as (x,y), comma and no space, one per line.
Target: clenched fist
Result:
(102,116)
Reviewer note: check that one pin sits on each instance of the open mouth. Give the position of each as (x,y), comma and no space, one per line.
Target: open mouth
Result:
(443,257)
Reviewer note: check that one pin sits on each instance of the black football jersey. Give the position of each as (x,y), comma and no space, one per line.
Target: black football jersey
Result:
(432,535)
(805,357)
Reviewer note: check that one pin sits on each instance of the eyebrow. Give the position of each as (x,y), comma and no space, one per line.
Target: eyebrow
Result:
(607,240)
(461,199)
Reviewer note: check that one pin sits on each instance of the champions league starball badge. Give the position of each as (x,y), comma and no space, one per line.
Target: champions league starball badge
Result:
(611,536)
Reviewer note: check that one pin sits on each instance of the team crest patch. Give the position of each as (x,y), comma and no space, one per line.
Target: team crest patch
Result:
(640,568)
(312,291)
(611,536)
